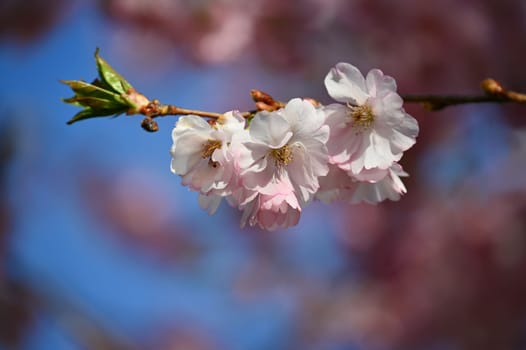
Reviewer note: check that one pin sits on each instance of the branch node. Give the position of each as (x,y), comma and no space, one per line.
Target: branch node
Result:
(492,87)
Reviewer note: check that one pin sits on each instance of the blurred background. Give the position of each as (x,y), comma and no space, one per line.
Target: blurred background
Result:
(102,248)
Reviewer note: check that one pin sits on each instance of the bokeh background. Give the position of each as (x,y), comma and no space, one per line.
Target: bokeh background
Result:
(102,248)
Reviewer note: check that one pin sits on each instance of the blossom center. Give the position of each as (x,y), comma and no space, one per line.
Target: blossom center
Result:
(208,149)
(282,156)
(362,116)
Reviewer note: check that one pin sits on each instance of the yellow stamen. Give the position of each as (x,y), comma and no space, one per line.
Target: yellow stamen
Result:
(282,156)
(208,149)
(362,116)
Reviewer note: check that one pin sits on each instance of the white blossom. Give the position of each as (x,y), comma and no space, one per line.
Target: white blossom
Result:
(370,129)
(201,153)
(278,209)
(390,187)
(273,166)
(287,145)
(370,186)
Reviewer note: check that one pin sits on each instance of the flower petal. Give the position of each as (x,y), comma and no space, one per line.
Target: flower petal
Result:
(270,129)
(345,83)
(379,84)
(209,202)
(303,117)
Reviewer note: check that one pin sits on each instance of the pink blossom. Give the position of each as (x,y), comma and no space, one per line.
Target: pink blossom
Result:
(371,129)
(390,187)
(202,154)
(278,209)
(288,145)
(371,186)
(286,158)
(337,185)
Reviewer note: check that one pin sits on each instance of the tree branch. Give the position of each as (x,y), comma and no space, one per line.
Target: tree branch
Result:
(110,94)
(493,93)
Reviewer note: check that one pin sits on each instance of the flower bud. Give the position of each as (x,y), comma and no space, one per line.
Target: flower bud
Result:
(492,87)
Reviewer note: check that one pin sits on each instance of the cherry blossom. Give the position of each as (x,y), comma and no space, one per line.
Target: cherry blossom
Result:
(370,186)
(288,145)
(275,164)
(335,186)
(389,187)
(370,129)
(201,153)
(278,209)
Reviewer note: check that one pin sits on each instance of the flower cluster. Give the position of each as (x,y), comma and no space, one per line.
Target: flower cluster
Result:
(273,165)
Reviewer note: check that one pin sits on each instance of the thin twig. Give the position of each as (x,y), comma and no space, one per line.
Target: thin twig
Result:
(493,93)
(436,102)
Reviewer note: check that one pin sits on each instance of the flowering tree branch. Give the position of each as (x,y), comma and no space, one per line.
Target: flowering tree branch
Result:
(273,161)
(154,109)
(494,93)
(111,95)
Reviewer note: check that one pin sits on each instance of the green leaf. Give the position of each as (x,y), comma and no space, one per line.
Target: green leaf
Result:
(83,89)
(101,84)
(90,113)
(94,102)
(109,76)
(108,95)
